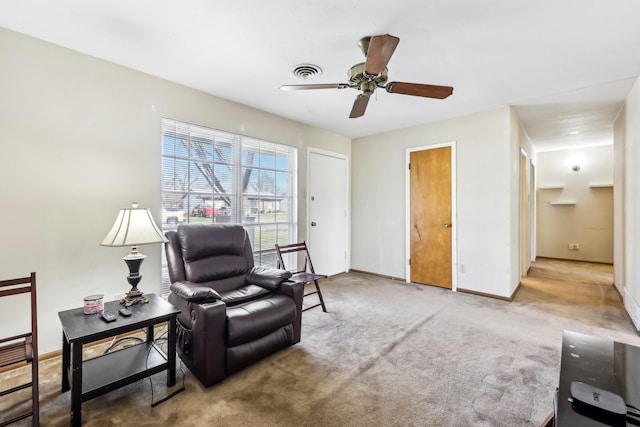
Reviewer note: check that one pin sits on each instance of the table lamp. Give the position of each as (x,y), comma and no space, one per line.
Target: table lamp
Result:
(134,226)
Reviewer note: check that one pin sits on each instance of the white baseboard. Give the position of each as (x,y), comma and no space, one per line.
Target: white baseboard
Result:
(633,308)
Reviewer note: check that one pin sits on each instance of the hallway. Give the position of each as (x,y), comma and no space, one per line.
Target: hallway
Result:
(566,287)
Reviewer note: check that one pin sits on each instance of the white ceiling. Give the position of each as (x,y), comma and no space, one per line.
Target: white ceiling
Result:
(565,65)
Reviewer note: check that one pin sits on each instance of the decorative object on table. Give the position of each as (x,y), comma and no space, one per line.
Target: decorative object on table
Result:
(593,398)
(93,304)
(133,227)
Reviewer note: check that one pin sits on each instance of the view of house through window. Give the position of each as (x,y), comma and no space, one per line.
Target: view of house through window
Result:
(210,176)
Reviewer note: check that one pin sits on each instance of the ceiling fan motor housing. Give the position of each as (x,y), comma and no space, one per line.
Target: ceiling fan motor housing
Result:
(358,79)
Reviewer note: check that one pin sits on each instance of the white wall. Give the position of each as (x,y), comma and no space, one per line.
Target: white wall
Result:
(589,222)
(485,168)
(631,154)
(532,159)
(81,139)
(518,220)
(618,200)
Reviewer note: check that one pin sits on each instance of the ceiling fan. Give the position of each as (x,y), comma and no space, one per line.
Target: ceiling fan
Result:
(372,74)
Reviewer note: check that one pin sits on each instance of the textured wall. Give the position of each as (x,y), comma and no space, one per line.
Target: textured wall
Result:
(589,221)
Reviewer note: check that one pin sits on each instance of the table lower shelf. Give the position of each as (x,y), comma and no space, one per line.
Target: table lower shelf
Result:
(116,369)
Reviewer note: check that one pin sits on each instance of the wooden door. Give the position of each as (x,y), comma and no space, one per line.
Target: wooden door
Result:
(430,217)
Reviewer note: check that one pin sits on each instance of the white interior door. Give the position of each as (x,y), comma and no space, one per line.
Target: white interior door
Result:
(327,212)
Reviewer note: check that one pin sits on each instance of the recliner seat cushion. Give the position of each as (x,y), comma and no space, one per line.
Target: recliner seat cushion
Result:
(255,319)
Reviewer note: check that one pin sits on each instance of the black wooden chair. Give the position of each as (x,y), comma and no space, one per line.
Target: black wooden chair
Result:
(306,274)
(22,347)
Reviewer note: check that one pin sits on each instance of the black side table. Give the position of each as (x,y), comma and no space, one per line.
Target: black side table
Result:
(601,362)
(97,376)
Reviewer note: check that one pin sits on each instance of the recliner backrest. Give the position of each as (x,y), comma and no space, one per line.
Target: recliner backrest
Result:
(216,255)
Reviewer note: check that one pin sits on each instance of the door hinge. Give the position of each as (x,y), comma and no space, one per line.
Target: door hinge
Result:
(409,166)
(409,261)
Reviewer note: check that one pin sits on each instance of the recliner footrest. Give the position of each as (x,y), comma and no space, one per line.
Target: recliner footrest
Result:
(243,355)
(255,319)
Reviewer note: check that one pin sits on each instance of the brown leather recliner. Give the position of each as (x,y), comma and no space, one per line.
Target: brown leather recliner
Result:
(232,313)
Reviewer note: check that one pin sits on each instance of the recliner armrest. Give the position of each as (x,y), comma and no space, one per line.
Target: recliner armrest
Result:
(292,289)
(269,278)
(194,292)
(295,291)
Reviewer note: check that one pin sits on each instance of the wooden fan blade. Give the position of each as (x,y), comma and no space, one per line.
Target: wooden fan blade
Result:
(316,86)
(416,89)
(359,106)
(380,50)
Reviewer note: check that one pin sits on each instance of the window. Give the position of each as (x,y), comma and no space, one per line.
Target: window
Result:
(214,176)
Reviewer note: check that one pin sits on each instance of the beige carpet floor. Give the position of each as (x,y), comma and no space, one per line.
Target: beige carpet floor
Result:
(386,354)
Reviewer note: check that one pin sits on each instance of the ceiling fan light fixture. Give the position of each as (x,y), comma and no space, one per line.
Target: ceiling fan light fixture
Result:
(306,71)
(367,87)
(363,44)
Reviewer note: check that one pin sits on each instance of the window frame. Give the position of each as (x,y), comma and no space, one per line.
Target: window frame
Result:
(194,159)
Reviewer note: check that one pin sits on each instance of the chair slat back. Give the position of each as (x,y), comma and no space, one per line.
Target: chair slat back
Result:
(295,247)
(23,347)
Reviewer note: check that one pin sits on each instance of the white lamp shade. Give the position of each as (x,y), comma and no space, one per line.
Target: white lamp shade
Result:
(133,227)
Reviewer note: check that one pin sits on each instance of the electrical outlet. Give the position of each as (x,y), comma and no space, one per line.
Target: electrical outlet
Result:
(576,247)
(571,246)
(461,268)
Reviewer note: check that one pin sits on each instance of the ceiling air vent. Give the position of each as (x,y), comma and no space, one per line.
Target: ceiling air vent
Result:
(306,71)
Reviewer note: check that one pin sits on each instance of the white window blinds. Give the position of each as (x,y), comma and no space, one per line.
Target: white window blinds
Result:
(214,176)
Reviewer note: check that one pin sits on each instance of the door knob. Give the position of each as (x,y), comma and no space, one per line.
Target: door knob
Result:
(313,223)
(447,225)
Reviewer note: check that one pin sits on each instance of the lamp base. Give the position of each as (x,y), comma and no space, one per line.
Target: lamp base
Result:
(134,296)
(128,301)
